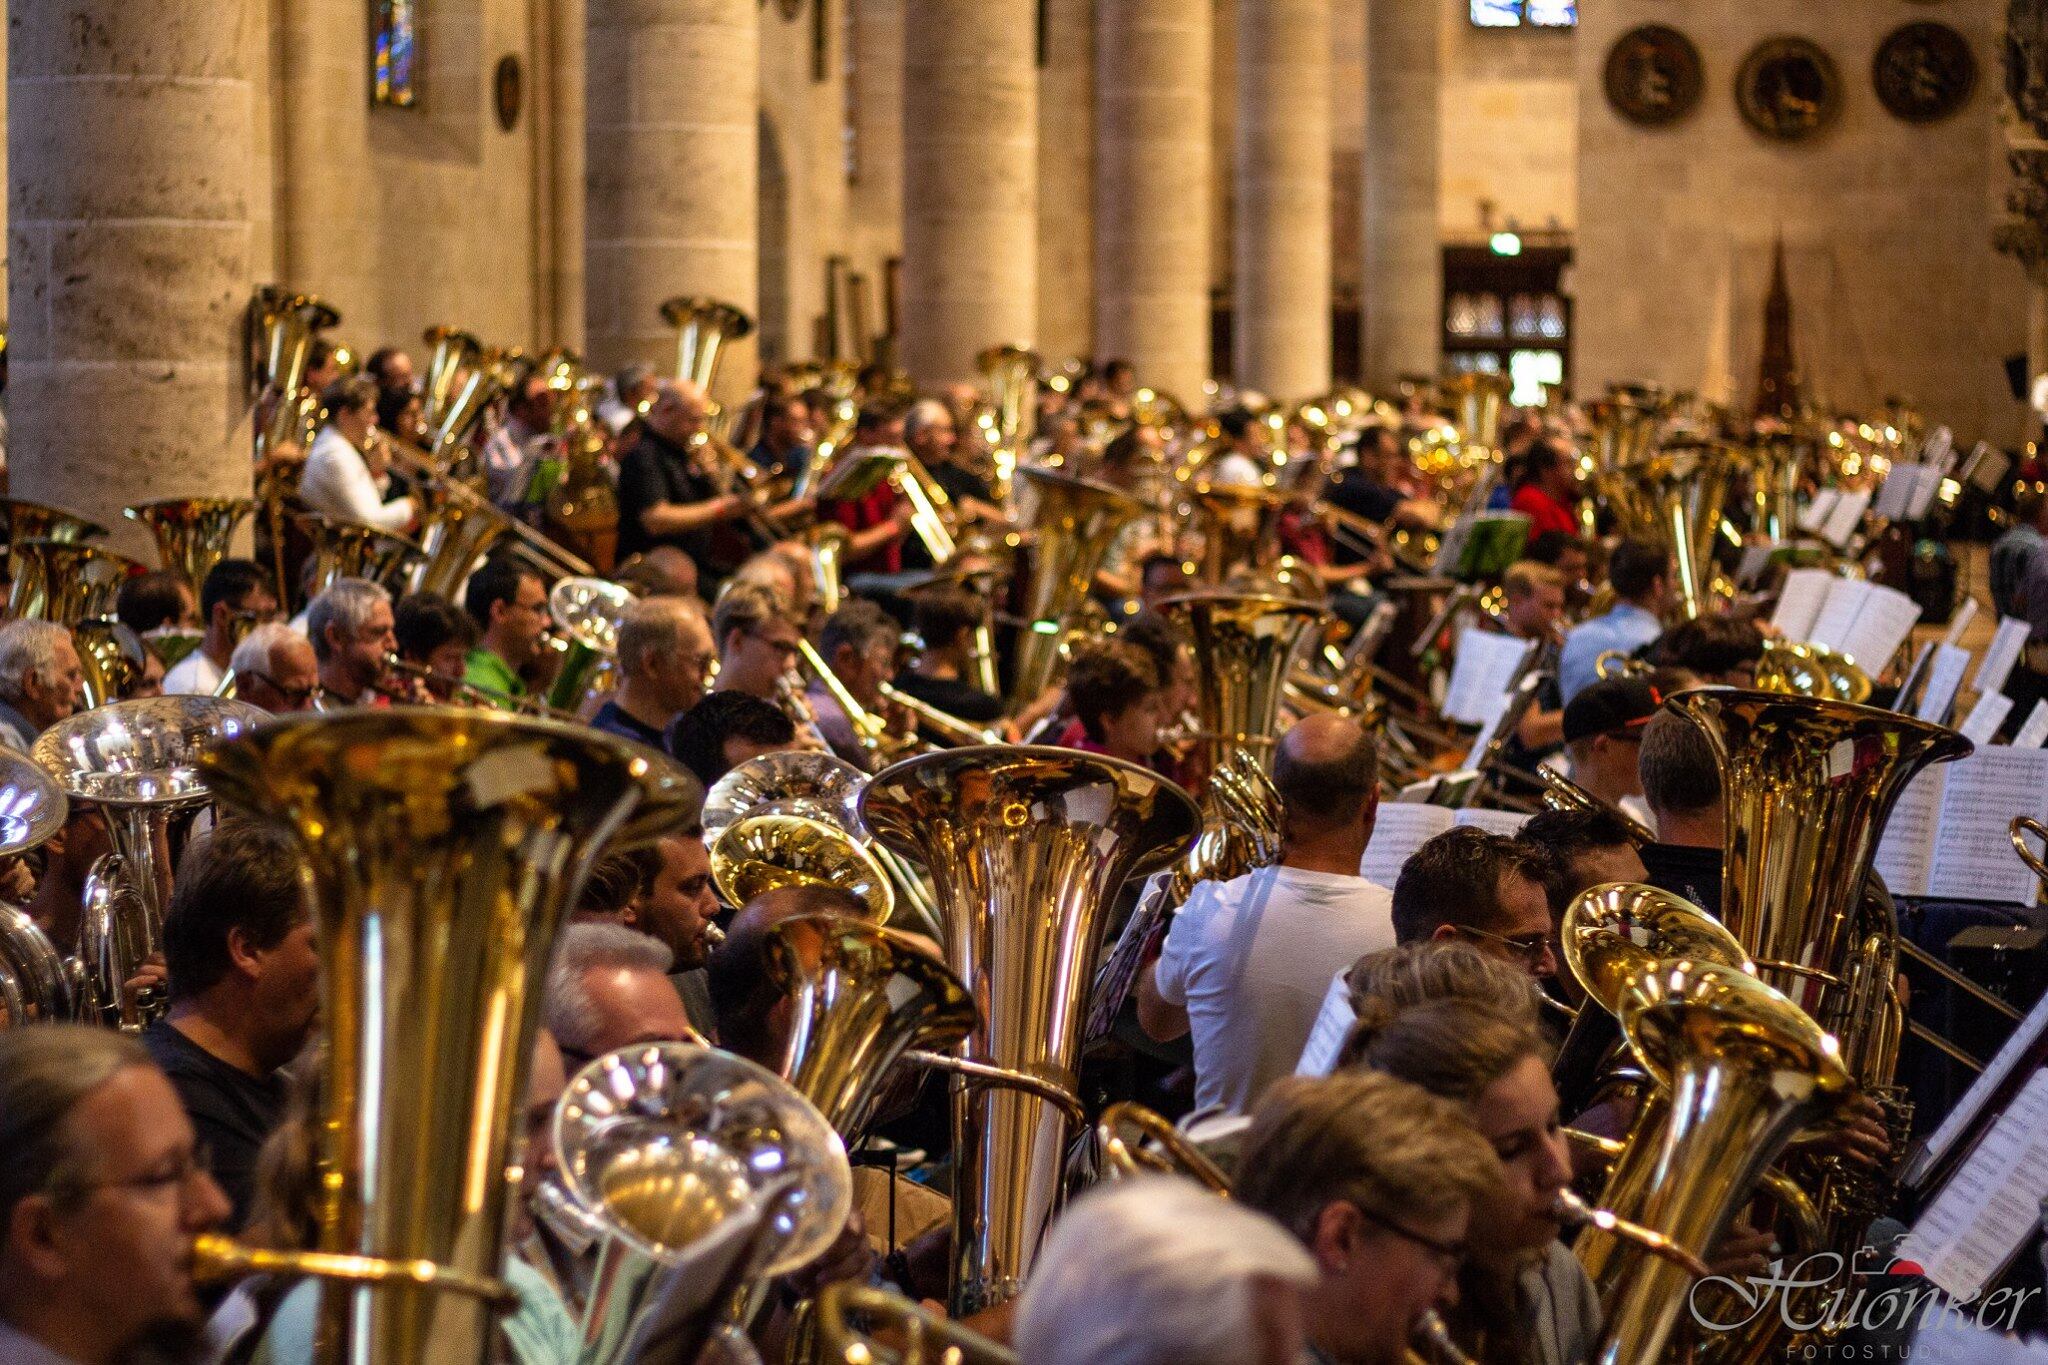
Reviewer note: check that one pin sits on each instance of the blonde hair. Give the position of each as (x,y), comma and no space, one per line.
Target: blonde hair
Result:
(1451,1047)
(1391,1148)
(1525,576)
(1441,969)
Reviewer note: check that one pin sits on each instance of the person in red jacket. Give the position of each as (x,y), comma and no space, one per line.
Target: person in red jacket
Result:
(1549,490)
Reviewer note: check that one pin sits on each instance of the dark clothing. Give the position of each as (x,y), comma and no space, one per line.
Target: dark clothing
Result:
(962,483)
(657,470)
(1694,873)
(615,720)
(791,462)
(1353,492)
(952,696)
(232,1111)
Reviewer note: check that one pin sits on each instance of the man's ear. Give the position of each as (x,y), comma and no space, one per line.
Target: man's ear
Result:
(243,955)
(32,1237)
(1444,933)
(1333,1239)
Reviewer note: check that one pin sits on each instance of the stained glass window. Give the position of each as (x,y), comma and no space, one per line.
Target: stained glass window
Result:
(1530,13)
(397,51)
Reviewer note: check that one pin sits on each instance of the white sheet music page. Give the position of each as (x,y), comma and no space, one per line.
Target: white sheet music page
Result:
(1483,674)
(1882,624)
(1844,517)
(1332,1027)
(1944,679)
(1960,622)
(2002,655)
(2033,731)
(1973,856)
(1837,617)
(1985,717)
(1959,1120)
(1895,495)
(1992,1205)
(1815,514)
(1397,831)
(1926,483)
(1506,822)
(1800,602)
(1905,851)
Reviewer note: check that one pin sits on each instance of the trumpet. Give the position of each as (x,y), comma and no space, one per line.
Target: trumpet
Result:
(474,693)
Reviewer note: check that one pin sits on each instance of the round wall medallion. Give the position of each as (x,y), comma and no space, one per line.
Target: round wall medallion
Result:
(1788,89)
(508,91)
(1654,75)
(1924,72)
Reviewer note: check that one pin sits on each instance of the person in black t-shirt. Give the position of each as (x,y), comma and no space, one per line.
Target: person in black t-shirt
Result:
(666,498)
(1682,786)
(243,981)
(945,619)
(929,433)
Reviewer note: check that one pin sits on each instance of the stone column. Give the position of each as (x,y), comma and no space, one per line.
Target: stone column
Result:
(672,113)
(970,182)
(1066,180)
(559,173)
(1282,259)
(1152,191)
(1403,251)
(877,100)
(129,140)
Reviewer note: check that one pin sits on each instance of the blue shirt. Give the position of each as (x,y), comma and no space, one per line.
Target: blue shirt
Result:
(1626,628)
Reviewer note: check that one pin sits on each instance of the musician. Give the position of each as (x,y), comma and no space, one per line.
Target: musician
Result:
(1158,1271)
(351,628)
(676,907)
(1715,650)
(58,904)
(275,669)
(1535,611)
(392,368)
(401,414)
(237,596)
(1603,734)
(1548,490)
(509,606)
(347,474)
(1566,554)
(757,642)
(436,635)
(1487,889)
(1116,695)
(1239,458)
(1246,962)
(243,977)
(607,988)
(100,1196)
(945,619)
(1681,782)
(725,730)
(608,891)
(1163,574)
(1379,1179)
(929,433)
(1373,487)
(1639,571)
(1410,974)
(753,1012)
(858,643)
(786,437)
(41,680)
(148,602)
(664,659)
(1584,848)
(510,453)
(875,523)
(632,388)
(666,495)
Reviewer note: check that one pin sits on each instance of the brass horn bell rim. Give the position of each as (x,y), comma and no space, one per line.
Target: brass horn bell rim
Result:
(743,862)
(1600,930)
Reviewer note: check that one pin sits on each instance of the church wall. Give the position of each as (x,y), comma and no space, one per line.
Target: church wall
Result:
(1509,114)
(1887,226)
(805,197)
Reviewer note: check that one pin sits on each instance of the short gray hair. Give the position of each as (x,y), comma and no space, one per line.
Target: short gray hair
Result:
(567,1011)
(1154,1271)
(259,647)
(922,414)
(654,626)
(28,649)
(345,603)
(46,1071)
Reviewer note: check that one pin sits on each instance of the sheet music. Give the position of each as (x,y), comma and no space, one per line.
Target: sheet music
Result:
(1938,449)
(1397,831)
(2003,654)
(1960,622)
(1837,615)
(2033,732)
(1800,602)
(1985,717)
(1483,673)
(1505,822)
(1925,485)
(1985,469)
(1816,513)
(1905,851)
(1844,517)
(1755,559)
(1333,1025)
(1963,1117)
(1973,857)
(1895,496)
(1916,674)
(1992,1205)
(1882,624)
(1944,679)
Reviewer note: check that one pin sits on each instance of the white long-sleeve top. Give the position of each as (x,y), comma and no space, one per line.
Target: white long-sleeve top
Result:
(336,482)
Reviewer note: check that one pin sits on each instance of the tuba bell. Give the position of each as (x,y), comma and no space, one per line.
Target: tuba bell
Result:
(34,521)
(65,581)
(282,326)
(1479,400)
(351,549)
(586,612)
(443,850)
(1026,847)
(761,853)
(1012,375)
(452,354)
(703,326)
(110,658)
(192,534)
(1074,523)
(1246,642)
(1810,670)
(37,984)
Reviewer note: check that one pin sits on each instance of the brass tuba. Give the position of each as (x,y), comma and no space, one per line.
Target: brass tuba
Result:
(192,534)
(1075,522)
(352,549)
(760,853)
(1680,491)
(452,354)
(65,581)
(586,612)
(110,656)
(1012,375)
(282,325)
(28,521)
(1810,670)
(703,326)
(1245,643)
(443,850)
(1026,847)
(37,984)
(1479,400)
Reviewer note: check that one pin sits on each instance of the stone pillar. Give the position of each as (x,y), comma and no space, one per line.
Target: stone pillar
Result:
(672,114)
(1403,251)
(877,103)
(970,182)
(1282,260)
(1066,180)
(129,139)
(559,173)
(1152,191)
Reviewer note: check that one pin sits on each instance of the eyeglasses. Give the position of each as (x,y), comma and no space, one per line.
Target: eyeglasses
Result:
(294,695)
(1449,1255)
(1530,948)
(175,1172)
(788,647)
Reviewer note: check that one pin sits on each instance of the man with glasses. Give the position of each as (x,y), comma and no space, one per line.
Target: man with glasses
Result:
(510,608)
(351,628)
(275,669)
(757,642)
(1247,961)
(664,658)
(100,1196)
(1378,1179)
(1481,887)
(237,597)
(859,644)
(1603,733)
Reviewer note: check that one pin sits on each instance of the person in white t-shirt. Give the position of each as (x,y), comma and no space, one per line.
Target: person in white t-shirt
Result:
(1247,961)
(236,597)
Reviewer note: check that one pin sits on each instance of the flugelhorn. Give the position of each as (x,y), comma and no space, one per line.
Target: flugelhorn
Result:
(443,849)
(1025,847)
(192,534)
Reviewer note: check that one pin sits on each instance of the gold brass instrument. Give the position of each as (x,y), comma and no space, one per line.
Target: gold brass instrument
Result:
(861,998)
(451,354)
(1245,643)
(110,659)
(1025,847)
(461,526)
(282,326)
(1561,793)
(703,326)
(709,1173)
(139,761)
(1012,375)
(65,581)
(1074,523)
(28,521)
(37,984)
(1616,663)
(1809,670)
(351,549)
(868,727)
(1574,1212)
(586,612)
(931,510)
(1240,525)
(925,1338)
(1478,400)
(1681,489)
(442,846)
(489,698)
(761,853)
(950,729)
(1175,1155)
(192,534)
(2022,826)
(486,374)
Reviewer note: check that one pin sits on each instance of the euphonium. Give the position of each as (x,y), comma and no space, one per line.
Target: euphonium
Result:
(65,581)
(282,325)
(1561,793)
(814,785)
(703,326)
(192,534)
(862,997)
(710,1173)
(586,612)
(760,853)
(443,849)
(1026,847)
(37,984)
(1075,522)
(1245,643)
(457,535)
(139,761)
(487,374)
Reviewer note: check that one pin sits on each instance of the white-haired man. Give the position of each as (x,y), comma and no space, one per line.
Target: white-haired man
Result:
(665,654)
(353,635)
(275,669)
(41,680)
(930,434)
(609,987)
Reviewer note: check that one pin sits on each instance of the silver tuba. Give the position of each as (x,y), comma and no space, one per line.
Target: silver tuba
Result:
(37,984)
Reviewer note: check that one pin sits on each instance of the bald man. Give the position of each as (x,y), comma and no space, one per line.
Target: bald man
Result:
(1247,962)
(666,497)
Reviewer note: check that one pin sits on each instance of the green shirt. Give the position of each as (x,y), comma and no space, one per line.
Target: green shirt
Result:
(486,669)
